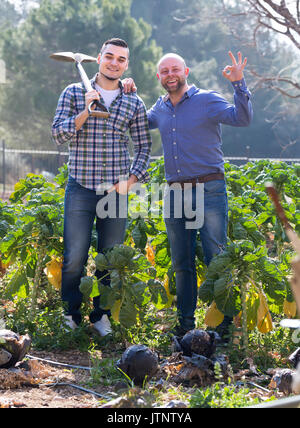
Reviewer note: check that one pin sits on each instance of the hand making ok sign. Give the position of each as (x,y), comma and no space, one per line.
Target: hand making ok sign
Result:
(235,71)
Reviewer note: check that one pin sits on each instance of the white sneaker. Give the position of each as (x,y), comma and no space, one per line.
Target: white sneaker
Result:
(69,323)
(103,327)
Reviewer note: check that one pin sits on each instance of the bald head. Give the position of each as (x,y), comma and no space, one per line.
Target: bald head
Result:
(171,56)
(172,73)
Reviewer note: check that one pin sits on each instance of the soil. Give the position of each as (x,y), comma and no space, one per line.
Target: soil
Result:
(31,390)
(37,384)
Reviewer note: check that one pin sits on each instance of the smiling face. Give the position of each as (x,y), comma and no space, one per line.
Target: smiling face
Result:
(172,73)
(113,61)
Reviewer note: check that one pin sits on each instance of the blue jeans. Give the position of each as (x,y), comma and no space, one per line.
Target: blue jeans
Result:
(213,235)
(79,218)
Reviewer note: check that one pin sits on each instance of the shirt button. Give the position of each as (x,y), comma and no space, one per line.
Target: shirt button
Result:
(104,135)
(174,115)
(178,170)
(175,157)
(174,129)
(174,143)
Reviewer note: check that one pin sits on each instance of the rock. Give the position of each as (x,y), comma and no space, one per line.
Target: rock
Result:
(5,357)
(294,358)
(14,344)
(282,380)
(296,381)
(200,342)
(139,363)
(175,404)
(200,362)
(120,385)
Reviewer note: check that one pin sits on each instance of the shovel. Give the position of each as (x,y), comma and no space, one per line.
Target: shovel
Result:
(295,241)
(78,58)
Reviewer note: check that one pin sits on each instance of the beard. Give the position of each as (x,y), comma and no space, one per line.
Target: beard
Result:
(176,88)
(112,79)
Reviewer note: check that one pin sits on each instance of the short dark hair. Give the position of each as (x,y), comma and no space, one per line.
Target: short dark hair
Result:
(115,41)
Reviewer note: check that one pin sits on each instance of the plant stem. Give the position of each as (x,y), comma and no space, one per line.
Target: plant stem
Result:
(36,282)
(244,318)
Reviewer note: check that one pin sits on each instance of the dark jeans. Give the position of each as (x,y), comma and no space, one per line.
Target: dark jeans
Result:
(80,214)
(213,236)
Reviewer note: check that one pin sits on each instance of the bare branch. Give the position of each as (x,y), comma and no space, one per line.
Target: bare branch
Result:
(270,14)
(269,81)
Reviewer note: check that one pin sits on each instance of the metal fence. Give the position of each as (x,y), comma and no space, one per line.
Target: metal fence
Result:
(16,164)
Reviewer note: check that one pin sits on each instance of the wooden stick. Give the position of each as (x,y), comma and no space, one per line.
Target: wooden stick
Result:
(295,281)
(293,237)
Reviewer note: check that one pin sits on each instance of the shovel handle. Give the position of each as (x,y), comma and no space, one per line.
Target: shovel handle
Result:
(98,113)
(103,112)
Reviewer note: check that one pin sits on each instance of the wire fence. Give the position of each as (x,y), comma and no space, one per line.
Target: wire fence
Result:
(17,163)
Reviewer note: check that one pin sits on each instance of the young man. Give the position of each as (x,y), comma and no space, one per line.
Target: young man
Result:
(98,156)
(189,121)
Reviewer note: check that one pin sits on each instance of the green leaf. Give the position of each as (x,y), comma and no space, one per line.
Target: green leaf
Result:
(101,262)
(86,285)
(139,293)
(162,257)
(227,296)
(128,314)
(107,296)
(18,280)
(139,235)
(158,293)
(206,291)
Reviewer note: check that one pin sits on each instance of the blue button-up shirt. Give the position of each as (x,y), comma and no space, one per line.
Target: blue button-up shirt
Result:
(191,131)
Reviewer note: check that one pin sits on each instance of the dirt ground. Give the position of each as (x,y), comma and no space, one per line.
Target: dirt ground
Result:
(20,389)
(37,384)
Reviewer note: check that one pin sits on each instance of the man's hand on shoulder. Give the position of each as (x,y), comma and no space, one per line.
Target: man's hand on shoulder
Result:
(128,85)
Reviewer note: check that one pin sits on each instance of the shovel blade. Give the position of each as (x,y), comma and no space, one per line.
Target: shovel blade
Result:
(72,57)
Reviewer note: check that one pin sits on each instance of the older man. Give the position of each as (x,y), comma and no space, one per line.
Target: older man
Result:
(189,120)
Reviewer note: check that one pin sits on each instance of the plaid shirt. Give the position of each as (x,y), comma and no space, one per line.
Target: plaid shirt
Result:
(98,152)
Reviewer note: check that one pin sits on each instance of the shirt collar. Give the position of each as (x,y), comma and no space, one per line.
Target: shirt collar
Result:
(93,81)
(188,94)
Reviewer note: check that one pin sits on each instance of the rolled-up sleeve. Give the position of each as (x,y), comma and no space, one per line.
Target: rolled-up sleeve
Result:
(63,126)
(142,143)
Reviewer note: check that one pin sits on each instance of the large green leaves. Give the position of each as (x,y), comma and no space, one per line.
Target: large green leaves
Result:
(132,284)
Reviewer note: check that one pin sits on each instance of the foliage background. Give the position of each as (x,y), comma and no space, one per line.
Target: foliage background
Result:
(195,29)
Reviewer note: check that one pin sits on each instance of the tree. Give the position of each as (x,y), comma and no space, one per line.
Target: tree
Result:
(203,32)
(8,13)
(29,100)
(276,18)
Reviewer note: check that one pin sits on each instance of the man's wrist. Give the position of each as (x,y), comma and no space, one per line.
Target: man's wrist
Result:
(239,84)
(81,119)
(133,179)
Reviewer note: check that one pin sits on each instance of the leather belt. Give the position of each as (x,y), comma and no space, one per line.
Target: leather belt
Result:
(200,179)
